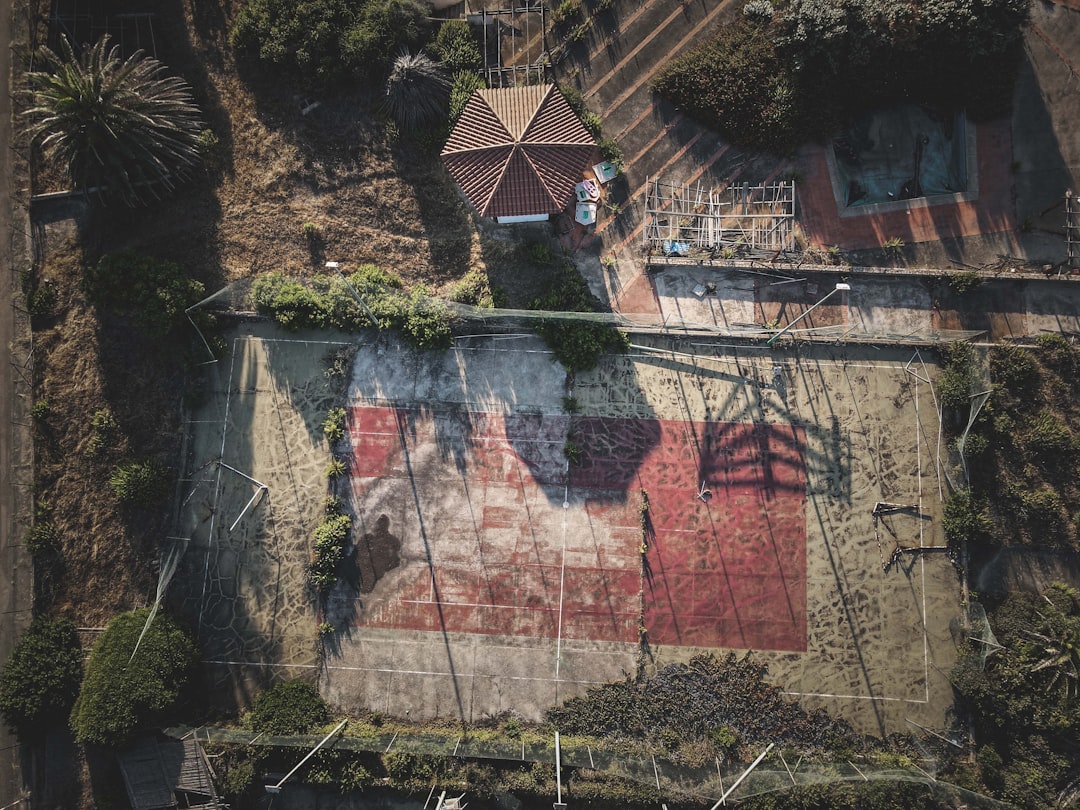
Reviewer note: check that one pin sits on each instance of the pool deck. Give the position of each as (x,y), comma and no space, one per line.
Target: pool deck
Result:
(992,211)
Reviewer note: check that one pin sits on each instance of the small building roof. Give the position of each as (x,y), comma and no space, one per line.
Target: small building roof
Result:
(166,774)
(518,151)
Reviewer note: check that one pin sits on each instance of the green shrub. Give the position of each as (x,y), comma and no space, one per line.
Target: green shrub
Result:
(291,707)
(610,151)
(461,90)
(151,293)
(976,445)
(139,483)
(964,281)
(404,767)
(1058,353)
(328,549)
(572,452)
(424,321)
(1014,367)
(958,381)
(292,304)
(334,426)
(963,519)
(335,469)
(237,778)
(759,11)
(474,289)
(1044,513)
(1050,440)
(538,253)
(41,301)
(121,694)
(737,85)
(566,11)
(41,410)
(577,344)
(354,776)
(42,539)
(576,100)
(41,678)
(103,433)
(427,322)
(456,47)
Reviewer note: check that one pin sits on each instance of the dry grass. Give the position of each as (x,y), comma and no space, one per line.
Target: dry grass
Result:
(374,197)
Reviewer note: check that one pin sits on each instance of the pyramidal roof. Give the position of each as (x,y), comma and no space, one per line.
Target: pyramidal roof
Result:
(518,151)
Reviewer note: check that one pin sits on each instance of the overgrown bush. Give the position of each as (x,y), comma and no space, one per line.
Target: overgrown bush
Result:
(959,379)
(1014,368)
(456,47)
(1060,355)
(41,678)
(738,85)
(694,700)
(291,707)
(474,288)
(138,483)
(576,101)
(1050,441)
(329,302)
(1021,697)
(334,425)
(427,321)
(328,41)
(328,547)
(120,693)
(577,344)
(963,519)
(773,78)
(152,294)
(461,90)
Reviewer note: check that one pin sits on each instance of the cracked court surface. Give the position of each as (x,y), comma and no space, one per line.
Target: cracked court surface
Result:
(472,589)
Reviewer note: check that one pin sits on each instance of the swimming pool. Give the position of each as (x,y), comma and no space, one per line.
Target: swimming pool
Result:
(901,153)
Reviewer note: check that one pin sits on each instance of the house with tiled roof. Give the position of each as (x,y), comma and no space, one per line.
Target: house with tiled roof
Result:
(517,152)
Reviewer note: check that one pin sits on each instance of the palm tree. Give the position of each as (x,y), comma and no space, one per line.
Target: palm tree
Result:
(417,91)
(121,126)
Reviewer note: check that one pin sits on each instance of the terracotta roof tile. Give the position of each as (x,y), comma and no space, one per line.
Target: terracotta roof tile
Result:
(516,106)
(556,123)
(478,173)
(518,151)
(477,128)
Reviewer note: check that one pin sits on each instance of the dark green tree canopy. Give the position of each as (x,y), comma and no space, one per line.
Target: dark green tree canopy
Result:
(120,693)
(1023,695)
(773,78)
(120,126)
(327,41)
(41,678)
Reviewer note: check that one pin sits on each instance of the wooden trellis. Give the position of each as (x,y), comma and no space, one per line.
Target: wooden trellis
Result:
(738,218)
(513,41)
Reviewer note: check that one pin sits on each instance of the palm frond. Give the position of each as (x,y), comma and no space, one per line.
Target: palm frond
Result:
(121,126)
(417,91)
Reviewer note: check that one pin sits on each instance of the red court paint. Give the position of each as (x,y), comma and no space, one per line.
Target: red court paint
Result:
(729,572)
